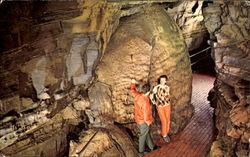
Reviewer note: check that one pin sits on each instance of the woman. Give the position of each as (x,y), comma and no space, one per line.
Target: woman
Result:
(160,98)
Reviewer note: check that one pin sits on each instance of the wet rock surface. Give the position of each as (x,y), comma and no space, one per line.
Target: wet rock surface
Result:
(228,25)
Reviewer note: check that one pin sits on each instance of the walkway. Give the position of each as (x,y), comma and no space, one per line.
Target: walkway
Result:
(195,140)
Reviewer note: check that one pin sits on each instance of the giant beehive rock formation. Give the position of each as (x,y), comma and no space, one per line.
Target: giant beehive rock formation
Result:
(145,46)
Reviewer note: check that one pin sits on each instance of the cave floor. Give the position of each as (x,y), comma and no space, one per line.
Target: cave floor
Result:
(195,140)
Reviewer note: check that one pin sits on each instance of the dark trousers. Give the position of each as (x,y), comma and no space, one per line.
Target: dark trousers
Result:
(144,137)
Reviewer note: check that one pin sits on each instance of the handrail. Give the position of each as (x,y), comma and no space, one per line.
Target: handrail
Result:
(200,59)
(200,51)
(87,143)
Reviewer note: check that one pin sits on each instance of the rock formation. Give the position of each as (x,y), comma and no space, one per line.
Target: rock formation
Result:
(189,17)
(229,28)
(58,78)
(107,142)
(65,71)
(48,53)
(152,45)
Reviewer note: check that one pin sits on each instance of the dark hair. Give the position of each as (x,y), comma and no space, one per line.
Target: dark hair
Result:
(162,76)
(143,88)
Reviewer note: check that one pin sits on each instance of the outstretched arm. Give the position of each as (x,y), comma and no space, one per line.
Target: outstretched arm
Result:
(133,92)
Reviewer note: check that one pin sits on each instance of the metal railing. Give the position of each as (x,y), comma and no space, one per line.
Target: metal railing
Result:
(202,51)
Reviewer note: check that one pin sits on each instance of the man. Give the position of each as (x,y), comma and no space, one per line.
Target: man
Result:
(143,116)
(160,98)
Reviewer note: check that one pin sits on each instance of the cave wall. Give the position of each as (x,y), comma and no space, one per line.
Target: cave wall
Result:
(229,28)
(59,70)
(54,51)
(48,53)
(189,17)
(69,64)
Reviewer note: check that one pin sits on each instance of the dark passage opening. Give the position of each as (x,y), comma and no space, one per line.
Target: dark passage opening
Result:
(201,60)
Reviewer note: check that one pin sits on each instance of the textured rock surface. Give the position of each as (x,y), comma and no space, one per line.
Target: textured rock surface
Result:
(101,112)
(36,134)
(145,46)
(229,28)
(108,142)
(49,54)
(189,17)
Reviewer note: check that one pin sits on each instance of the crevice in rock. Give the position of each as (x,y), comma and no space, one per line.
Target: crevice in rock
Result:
(117,145)
(129,10)
(228,93)
(125,128)
(195,7)
(224,23)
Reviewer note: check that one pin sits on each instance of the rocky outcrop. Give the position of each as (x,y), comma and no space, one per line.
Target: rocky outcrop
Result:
(145,46)
(189,17)
(229,28)
(48,53)
(107,142)
(52,80)
(38,135)
(50,57)
(101,112)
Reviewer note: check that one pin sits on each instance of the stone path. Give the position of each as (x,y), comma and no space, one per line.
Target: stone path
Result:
(195,140)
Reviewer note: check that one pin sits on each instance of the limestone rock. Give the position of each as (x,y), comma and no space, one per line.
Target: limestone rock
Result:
(53,146)
(245,137)
(216,149)
(43,96)
(36,134)
(81,60)
(21,127)
(229,34)
(189,17)
(69,113)
(49,52)
(234,132)
(81,105)
(239,116)
(8,104)
(101,104)
(110,141)
(152,46)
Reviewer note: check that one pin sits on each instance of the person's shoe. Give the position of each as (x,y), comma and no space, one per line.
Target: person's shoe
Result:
(155,148)
(144,153)
(166,138)
(147,149)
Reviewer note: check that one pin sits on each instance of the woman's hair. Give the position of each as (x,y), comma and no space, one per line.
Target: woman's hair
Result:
(162,76)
